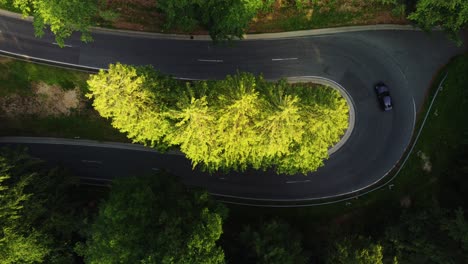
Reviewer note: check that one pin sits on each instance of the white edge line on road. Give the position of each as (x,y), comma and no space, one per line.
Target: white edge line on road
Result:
(284,59)
(414,118)
(65,45)
(51,61)
(188,79)
(207,60)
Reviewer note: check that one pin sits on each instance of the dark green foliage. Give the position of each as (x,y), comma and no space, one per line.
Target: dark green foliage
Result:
(37,217)
(451,15)
(430,236)
(225,19)
(274,242)
(19,241)
(356,250)
(63,17)
(155,219)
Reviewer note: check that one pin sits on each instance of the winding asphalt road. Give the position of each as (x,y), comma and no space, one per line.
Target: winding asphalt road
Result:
(405,60)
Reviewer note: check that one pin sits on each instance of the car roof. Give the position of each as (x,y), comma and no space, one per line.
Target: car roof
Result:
(382,88)
(387,100)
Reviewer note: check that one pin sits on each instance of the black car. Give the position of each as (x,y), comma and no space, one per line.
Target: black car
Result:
(383,95)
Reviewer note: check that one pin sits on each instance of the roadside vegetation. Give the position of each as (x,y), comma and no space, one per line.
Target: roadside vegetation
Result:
(39,219)
(155,219)
(47,217)
(237,123)
(226,20)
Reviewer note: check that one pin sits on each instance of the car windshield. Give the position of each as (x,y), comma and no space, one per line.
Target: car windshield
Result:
(382,89)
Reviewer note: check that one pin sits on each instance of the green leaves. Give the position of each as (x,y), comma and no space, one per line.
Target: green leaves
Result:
(237,123)
(451,15)
(225,19)
(27,216)
(356,251)
(432,235)
(155,219)
(274,242)
(18,242)
(63,17)
(128,99)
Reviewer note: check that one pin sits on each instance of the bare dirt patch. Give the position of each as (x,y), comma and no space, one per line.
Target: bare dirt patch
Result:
(5,59)
(47,100)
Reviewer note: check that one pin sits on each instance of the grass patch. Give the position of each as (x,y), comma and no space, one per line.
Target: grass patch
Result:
(444,138)
(85,125)
(18,76)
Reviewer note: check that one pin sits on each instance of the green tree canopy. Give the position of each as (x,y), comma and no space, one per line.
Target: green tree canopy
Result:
(451,15)
(225,19)
(130,97)
(356,251)
(37,220)
(237,123)
(63,17)
(274,242)
(430,236)
(155,219)
(19,242)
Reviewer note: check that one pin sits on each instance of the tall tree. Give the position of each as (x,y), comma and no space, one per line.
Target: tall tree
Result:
(225,19)
(127,95)
(429,236)
(274,242)
(38,223)
(239,111)
(451,15)
(63,17)
(155,219)
(195,124)
(19,242)
(356,251)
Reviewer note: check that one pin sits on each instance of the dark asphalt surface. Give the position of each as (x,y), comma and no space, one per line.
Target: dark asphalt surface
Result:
(404,60)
